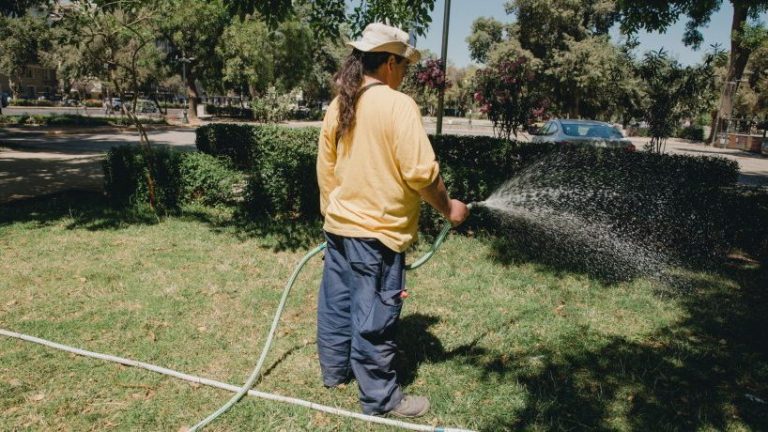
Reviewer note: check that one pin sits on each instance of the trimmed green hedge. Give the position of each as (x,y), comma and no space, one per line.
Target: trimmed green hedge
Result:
(178,178)
(678,202)
(209,180)
(283,178)
(693,133)
(126,177)
(233,141)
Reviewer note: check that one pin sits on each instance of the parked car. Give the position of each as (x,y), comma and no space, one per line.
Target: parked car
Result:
(70,102)
(115,103)
(143,106)
(4,100)
(591,132)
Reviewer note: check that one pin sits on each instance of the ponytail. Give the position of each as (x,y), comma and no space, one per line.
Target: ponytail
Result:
(348,80)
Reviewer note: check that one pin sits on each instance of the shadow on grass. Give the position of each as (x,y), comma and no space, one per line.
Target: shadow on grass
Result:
(79,209)
(91,210)
(277,235)
(706,372)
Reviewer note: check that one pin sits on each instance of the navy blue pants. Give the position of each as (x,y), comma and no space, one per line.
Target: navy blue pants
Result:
(358,309)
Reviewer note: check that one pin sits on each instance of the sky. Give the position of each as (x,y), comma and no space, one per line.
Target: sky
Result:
(464,12)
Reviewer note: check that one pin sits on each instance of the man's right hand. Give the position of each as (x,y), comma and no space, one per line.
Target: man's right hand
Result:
(459,212)
(437,196)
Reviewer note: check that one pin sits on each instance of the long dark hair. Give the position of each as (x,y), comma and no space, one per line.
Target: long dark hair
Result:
(348,80)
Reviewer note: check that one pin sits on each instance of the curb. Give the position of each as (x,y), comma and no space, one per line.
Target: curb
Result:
(45,130)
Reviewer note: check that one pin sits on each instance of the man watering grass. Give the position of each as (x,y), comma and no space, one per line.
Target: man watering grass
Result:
(374,165)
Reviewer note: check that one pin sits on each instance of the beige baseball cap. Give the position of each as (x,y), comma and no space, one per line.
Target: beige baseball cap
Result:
(379,37)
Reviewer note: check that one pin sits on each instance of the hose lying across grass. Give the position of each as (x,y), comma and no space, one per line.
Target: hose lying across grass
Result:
(228,387)
(256,373)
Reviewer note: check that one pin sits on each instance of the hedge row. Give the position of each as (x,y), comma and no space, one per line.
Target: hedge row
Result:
(177,178)
(693,133)
(678,202)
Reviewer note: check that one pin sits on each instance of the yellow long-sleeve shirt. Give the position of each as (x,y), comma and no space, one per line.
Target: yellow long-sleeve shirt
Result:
(369,182)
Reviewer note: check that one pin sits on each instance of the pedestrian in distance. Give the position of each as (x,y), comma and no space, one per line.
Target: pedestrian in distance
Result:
(375,164)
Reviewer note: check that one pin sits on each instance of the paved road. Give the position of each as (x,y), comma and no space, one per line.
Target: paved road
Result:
(37,163)
(95,112)
(34,163)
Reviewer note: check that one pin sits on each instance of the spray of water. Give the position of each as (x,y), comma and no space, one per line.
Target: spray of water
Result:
(570,225)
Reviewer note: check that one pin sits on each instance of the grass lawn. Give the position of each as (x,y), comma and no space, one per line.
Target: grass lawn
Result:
(495,345)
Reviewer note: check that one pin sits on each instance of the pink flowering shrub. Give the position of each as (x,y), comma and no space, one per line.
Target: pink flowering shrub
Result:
(430,75)
(504,92)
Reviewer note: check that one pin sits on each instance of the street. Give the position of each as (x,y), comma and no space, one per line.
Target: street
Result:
(37,163)
(94,112)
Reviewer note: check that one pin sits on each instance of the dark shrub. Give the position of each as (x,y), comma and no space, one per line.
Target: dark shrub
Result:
(229,111)
(237,142)
(285,172)
(208,179)
(693,133)
(747,224)
(670,200)
(126,178)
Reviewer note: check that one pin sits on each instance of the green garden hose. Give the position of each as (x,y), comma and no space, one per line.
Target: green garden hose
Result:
(257,370)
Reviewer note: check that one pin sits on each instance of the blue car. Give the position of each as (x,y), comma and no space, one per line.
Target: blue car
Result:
(589,132)
(4,100)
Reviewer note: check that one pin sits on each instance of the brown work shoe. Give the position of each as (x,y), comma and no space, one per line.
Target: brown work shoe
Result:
(411,406)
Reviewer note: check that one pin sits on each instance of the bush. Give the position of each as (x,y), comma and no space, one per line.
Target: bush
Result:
(236,142)
(126,170)
(285,172)
(208,180)
(747,216)
(693,133)
(229,111)
(31,103)
(670,200)
(93,103)
(673,200)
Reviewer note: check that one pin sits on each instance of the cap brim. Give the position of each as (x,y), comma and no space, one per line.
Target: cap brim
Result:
(398,48)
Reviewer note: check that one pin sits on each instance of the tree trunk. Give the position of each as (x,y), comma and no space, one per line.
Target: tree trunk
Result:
(192,95)
(14,87)
(712,121)
(737,62)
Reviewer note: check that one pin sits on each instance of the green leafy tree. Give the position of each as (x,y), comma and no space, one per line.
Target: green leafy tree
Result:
(18,8)
(257,58)
(583,73)
(117,44)
(193,30)
(486,32)
(658,15)
(460,95)
(752,96)
(21,42)
(413,15)
(590,74)
(327,17)
(544,25)
(672,92)
(505,92)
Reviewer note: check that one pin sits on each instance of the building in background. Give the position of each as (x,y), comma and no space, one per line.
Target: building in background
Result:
(36,82)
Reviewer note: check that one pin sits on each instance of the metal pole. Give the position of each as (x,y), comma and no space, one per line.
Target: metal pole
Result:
(184,118)
(444,58)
